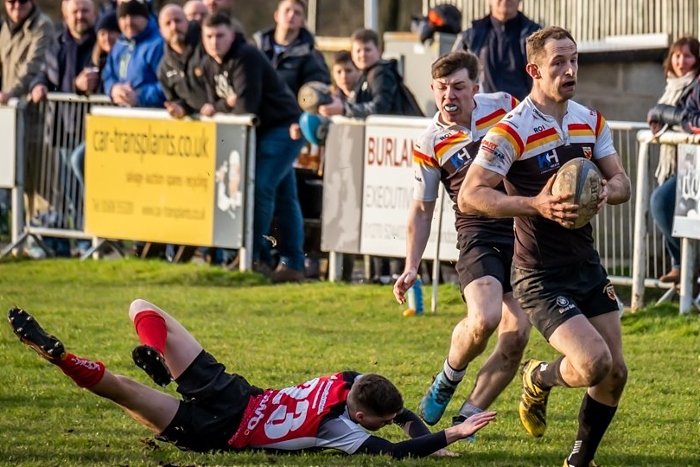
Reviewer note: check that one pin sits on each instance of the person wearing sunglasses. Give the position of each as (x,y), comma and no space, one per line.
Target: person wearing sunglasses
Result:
(26,35)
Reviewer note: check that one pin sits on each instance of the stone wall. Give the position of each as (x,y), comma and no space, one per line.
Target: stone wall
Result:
(620,90)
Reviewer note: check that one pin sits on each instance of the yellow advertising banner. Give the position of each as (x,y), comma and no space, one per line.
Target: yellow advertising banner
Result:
(151,180)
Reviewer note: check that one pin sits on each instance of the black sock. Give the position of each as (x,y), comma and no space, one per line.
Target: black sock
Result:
(550,376)
(593,420)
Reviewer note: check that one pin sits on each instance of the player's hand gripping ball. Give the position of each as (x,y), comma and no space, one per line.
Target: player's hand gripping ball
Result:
(312,95)
(582,181)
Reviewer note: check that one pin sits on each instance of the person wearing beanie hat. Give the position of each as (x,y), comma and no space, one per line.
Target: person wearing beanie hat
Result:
(133,8)
(107,32)
(107,22)
(130,75)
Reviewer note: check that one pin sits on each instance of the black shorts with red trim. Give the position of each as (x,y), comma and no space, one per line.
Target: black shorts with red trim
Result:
(552,296)
(214,402)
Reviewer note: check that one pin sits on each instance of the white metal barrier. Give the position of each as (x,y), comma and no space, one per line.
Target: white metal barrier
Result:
(47,133)
(367,157)
(639,282)
(11,173)
(41,138)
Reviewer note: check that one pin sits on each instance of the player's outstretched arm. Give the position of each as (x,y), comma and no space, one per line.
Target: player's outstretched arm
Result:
(469,426)
(429,443)
(411,424)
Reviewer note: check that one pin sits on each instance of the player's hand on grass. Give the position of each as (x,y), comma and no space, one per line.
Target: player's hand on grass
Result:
(469,426)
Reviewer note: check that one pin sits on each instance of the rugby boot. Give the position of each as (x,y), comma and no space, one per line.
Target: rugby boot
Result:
(436,399)
(31,333)
(152,362)
(533,402)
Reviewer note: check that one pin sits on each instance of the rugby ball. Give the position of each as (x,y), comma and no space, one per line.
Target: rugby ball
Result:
(314,128)
(312,95)
(581,182)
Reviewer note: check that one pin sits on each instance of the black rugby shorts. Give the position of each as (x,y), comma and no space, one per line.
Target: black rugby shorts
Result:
(212,408)
(552,296)
(483,255)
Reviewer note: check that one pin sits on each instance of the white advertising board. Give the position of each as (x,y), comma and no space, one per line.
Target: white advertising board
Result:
(686,218)
(8,128)
(388,191)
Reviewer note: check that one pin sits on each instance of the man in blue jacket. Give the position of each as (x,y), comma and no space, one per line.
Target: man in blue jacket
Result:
(130,75)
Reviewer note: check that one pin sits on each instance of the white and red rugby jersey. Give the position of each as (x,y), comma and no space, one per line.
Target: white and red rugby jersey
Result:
(310,415)
(444,153)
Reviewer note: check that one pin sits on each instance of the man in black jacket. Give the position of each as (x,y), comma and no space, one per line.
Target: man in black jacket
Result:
(240,79)
(378,92)
(498,40)
(290,47)
(292,52)
(69,66)
(180,73)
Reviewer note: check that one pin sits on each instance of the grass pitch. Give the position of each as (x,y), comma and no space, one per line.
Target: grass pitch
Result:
(278,336)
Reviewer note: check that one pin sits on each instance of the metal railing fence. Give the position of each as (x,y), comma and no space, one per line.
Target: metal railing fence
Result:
(594,20)
(53,208)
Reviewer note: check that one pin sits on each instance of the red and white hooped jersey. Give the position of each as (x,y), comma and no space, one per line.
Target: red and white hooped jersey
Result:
(527,147)
(309,415)
(443,153)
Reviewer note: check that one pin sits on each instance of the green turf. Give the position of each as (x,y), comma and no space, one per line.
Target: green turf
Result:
(281,335)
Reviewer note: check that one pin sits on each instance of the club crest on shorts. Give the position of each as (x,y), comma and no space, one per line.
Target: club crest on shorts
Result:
(564,304)
(610,291)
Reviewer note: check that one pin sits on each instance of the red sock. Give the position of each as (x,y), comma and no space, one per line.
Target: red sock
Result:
(151,329)
(85,373)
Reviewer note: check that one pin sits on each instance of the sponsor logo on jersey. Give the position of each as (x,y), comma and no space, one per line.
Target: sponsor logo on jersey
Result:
(539,128)
(548,161)
(258,414)
(489,146)
(459,159)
